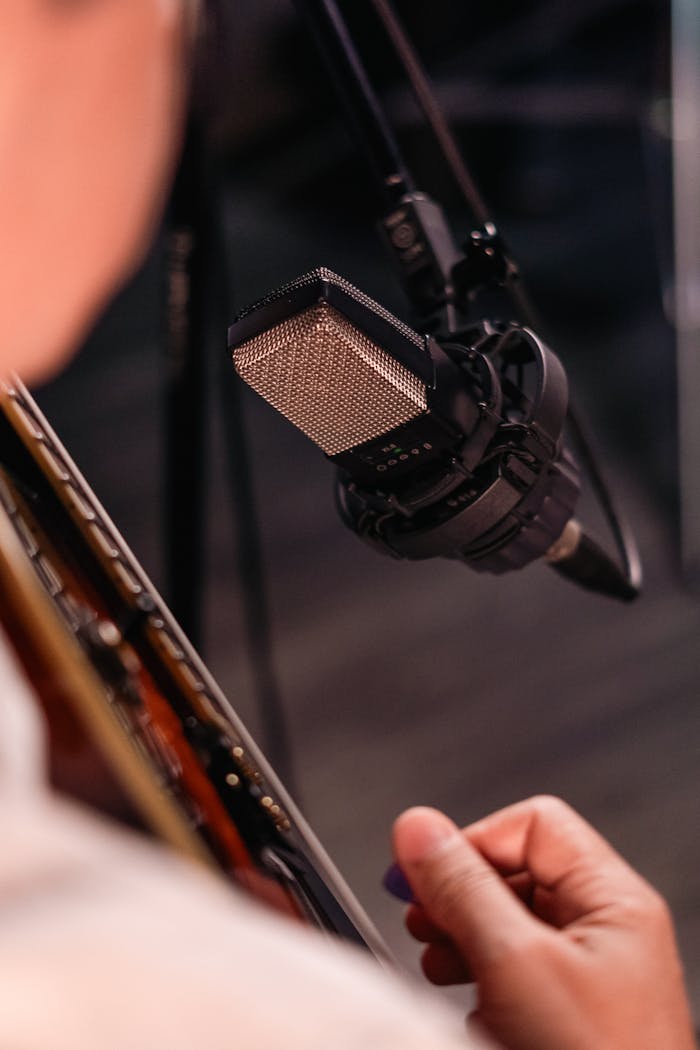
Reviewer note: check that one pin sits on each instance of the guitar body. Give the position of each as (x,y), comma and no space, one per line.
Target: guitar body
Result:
(137,725)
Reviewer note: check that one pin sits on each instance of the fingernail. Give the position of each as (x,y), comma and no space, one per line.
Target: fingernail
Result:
(397,884)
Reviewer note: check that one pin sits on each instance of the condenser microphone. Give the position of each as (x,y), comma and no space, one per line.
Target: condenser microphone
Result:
(452,448)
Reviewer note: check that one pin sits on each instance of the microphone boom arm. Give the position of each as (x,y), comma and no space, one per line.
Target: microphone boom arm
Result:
(441,280)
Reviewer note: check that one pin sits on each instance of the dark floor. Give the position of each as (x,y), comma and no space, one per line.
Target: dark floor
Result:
(426,682)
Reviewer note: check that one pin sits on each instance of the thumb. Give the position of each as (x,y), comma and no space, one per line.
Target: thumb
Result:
(460,891)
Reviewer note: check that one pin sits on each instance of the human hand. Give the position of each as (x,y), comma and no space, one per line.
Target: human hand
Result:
(570,948)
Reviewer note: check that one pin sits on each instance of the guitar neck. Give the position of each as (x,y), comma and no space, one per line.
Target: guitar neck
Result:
(98,643)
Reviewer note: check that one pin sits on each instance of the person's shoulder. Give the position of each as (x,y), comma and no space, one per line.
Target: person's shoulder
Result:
(109,940)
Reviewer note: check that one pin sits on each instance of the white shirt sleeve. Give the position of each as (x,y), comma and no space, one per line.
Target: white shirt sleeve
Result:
(107,940)
(22,740)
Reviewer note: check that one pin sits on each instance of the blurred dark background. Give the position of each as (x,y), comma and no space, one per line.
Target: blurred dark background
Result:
(407,683)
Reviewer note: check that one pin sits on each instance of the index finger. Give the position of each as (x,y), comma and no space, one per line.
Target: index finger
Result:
(547,838)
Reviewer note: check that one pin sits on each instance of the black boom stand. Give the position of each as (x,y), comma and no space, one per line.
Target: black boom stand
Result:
(187,333)
(197,312)
(445,284)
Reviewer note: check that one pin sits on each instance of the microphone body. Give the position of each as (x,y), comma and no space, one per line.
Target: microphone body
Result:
(451,448)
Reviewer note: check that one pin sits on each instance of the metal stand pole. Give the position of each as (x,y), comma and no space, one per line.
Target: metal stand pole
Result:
(188,328)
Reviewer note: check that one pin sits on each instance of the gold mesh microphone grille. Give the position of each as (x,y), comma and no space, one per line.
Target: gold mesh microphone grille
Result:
(329,379)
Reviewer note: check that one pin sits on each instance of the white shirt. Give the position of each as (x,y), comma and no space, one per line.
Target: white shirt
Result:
(107,941)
